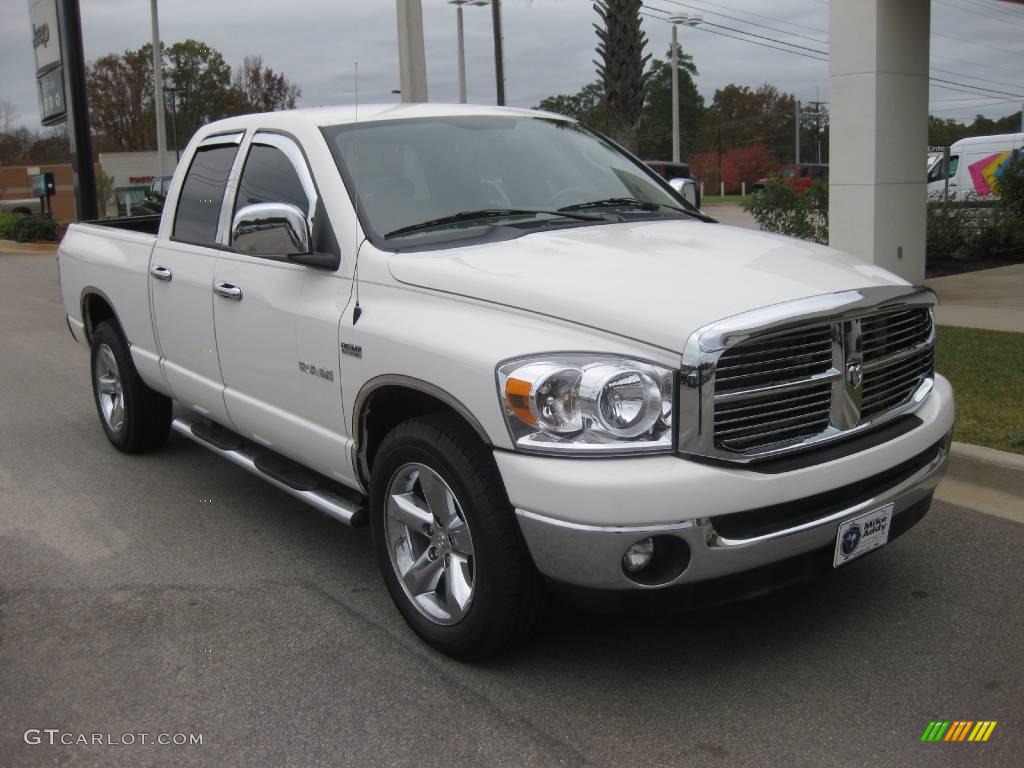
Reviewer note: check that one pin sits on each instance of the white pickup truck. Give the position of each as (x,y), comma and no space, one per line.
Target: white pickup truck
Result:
(518,354)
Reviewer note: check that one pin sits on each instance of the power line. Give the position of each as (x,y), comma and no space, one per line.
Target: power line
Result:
(702,28)
(952,85)
(763,45)
(762,37)
(980,11)
(747,21)
(977,88)
(980,45)
(1014,70)
(974,77)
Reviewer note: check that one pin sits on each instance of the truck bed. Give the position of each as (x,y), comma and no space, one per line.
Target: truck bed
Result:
(149,225)
(110,259)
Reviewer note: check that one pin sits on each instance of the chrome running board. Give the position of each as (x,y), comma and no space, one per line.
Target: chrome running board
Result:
(342,505)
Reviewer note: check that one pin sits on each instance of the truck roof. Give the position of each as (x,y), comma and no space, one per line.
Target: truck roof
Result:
(366,113)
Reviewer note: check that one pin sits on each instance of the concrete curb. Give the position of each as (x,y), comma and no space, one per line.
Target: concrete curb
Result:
(981,455)
(25,249)
(985,480)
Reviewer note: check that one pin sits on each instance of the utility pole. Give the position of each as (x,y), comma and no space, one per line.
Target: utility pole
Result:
(158,93)
(412,60)
(817,124)
(797,141)
(499,57)
(79,135)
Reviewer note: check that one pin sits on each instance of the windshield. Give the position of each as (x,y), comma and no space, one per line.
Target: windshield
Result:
(407,172)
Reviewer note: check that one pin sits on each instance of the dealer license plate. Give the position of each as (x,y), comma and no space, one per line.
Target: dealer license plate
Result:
(862,534)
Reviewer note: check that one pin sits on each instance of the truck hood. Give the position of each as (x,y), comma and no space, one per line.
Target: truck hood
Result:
(653,281)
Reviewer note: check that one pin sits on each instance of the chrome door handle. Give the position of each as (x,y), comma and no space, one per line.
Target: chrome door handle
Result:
(228,291)
(160,273)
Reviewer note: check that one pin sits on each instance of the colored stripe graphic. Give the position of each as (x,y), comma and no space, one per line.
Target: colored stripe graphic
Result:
(935,730)
(958,730)
(985,172)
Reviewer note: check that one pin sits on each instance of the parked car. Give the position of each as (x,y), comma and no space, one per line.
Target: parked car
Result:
(679,178)
(23,207)
(974,166)
(515,353)
(155,197)
(800,176)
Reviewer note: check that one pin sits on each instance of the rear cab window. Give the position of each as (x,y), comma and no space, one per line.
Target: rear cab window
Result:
(202,194)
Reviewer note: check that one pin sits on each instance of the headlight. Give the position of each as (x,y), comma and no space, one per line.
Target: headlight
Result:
(587,404)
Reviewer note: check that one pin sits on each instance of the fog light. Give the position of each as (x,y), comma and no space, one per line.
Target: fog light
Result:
(639,555)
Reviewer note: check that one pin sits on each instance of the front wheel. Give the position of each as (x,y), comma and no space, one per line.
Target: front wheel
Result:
(447,542)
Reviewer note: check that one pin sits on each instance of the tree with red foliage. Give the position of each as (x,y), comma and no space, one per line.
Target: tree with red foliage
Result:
(737,165)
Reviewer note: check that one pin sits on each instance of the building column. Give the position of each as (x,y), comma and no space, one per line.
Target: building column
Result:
(412,62)
(878,93)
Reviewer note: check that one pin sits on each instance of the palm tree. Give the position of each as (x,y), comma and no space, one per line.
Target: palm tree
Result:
(621,66)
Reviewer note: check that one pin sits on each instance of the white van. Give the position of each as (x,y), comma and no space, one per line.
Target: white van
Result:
(974,166)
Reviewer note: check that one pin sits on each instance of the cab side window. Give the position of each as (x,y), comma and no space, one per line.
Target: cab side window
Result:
(202,194)
(270,177)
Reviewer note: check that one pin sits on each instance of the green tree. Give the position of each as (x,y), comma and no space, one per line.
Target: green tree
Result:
(204,83)
(945,132)
(586,105)
(655,139)
(740,116)
(620,68)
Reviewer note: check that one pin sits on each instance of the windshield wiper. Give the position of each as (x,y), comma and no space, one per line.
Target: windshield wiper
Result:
(616,202)
(643,205)
(487,213)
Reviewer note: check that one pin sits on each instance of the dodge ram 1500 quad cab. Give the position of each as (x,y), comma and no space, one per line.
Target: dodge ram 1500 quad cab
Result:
(517,354)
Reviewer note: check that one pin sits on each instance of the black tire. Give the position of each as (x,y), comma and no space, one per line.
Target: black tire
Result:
(508,593)
(146,414)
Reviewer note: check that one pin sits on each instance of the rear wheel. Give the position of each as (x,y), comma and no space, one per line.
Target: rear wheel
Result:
(447,542)
(135,418)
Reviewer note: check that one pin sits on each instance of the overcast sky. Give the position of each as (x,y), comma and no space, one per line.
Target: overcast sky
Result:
(549,46)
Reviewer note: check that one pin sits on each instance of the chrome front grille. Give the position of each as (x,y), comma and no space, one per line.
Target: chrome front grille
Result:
(746,423)
(810,377)
(897,358)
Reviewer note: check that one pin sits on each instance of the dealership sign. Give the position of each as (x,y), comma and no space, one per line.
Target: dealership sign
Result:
(49,64)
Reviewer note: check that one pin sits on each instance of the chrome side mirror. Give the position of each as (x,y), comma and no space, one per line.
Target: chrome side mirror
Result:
(687,188)
(270,229)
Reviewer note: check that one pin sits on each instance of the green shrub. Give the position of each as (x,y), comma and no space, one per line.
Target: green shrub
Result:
(965,231)
(790,209)
(36,226)
(7,222)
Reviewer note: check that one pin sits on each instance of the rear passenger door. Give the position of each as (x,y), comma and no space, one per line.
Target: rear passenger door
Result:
(277,333)
(181,281)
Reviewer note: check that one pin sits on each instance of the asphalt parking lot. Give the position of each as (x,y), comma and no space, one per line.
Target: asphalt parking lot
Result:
(173,593)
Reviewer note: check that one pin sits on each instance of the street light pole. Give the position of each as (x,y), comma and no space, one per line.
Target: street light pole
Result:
(462,55)
(675,20)
(158,93)
(462,42)
(499,56)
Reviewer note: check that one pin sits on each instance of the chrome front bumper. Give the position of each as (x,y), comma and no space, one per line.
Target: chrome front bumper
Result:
(591,555)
